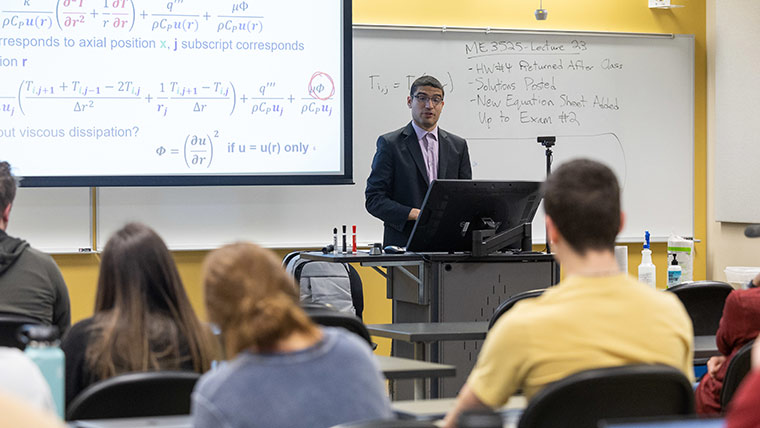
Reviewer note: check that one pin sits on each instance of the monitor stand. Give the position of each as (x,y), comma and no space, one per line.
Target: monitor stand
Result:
(486,241)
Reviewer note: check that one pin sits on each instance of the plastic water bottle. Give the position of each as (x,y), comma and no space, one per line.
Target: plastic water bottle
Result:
(647,269)
(43,348)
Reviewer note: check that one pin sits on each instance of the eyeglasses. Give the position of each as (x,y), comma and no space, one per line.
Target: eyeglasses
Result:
(423,99)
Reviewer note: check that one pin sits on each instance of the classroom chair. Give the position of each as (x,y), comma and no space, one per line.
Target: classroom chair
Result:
(132,395)
(9,327)
(737,369)
(507,304)
(583,399)
(324,315)
(704,302)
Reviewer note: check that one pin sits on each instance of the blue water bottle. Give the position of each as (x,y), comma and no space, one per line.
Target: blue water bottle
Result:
(43,347)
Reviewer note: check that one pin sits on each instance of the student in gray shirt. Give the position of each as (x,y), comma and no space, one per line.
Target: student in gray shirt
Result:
(287,372)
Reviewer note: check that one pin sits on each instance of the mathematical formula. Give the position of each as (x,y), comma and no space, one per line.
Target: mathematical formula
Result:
(131,15)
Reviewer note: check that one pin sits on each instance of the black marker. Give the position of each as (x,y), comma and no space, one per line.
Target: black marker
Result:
(344,239)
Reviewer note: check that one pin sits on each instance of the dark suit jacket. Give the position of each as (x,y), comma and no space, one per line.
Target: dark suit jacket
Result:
(398,181)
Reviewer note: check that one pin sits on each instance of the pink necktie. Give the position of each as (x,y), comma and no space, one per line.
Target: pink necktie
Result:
(430,157)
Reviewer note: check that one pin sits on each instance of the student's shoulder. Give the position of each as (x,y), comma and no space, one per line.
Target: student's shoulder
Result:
(344,341)
(211,383)
(79,332)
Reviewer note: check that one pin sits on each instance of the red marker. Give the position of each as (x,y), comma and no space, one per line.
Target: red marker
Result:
(353,249)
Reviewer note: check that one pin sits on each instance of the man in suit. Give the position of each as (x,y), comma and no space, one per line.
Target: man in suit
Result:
(408,159)
(30,282)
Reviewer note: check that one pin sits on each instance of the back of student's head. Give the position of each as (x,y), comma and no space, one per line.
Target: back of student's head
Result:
(251,298)
(582,197)
(141,309)
(7,186)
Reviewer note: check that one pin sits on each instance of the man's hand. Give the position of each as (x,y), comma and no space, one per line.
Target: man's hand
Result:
(756,354)
(466,400)
(756,280)
(714,364)
(413,214)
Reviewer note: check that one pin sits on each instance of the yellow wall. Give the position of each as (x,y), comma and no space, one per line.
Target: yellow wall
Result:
(80,271)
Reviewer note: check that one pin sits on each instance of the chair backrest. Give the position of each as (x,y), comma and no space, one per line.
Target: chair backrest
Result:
(737,369)
(704,302)
(158,393)
(388,424)
(507,304)
(324,315)
(583,399)
(9,327)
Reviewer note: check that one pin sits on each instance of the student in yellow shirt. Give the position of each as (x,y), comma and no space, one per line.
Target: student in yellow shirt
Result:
(596,317)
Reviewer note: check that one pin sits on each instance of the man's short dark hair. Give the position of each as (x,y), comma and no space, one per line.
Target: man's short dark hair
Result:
(425,81)
(7,185)
(582,197)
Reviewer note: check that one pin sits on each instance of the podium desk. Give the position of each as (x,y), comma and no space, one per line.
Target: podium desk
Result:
(443,287)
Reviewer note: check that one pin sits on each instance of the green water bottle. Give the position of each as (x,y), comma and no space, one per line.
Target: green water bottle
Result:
(43,347)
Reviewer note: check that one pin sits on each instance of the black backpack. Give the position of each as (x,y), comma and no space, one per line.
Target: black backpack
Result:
(337,285)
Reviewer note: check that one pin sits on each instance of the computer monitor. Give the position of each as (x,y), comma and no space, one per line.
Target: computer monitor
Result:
(453,209)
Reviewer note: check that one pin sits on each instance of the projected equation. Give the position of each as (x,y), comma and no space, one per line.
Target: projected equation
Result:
(197,152)
(267,99)
(177,16)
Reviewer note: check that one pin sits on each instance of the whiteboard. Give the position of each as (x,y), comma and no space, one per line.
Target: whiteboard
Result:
(736,111)
(57,220)
(648,139)
(626,101)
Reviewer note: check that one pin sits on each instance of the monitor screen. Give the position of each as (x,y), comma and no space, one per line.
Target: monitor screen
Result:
(124,92)
(452,209)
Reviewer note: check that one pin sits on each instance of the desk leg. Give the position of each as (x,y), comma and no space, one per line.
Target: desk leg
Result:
(419,383)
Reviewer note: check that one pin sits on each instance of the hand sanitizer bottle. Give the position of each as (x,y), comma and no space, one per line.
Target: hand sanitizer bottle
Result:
(647,270)
(674,272)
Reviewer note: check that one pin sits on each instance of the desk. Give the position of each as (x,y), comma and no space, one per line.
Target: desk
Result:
(419,333)
(180,421)
(404,368)
(445,288)
(429,410)
(704,348)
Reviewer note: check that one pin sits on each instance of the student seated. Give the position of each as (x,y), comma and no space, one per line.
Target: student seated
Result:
(30,281)
(596,317)
(739,324)
(743,410)
(286,371)
(20,377)
(143,320)
(19,413)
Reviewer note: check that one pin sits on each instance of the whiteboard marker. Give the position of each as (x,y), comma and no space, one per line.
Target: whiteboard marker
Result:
(353,248)
(344,239)
(335,240)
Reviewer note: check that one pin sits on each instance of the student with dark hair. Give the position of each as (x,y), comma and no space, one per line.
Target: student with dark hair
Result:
(286,371)
(30,282)
(408,159)
(596,317)
(143,319)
